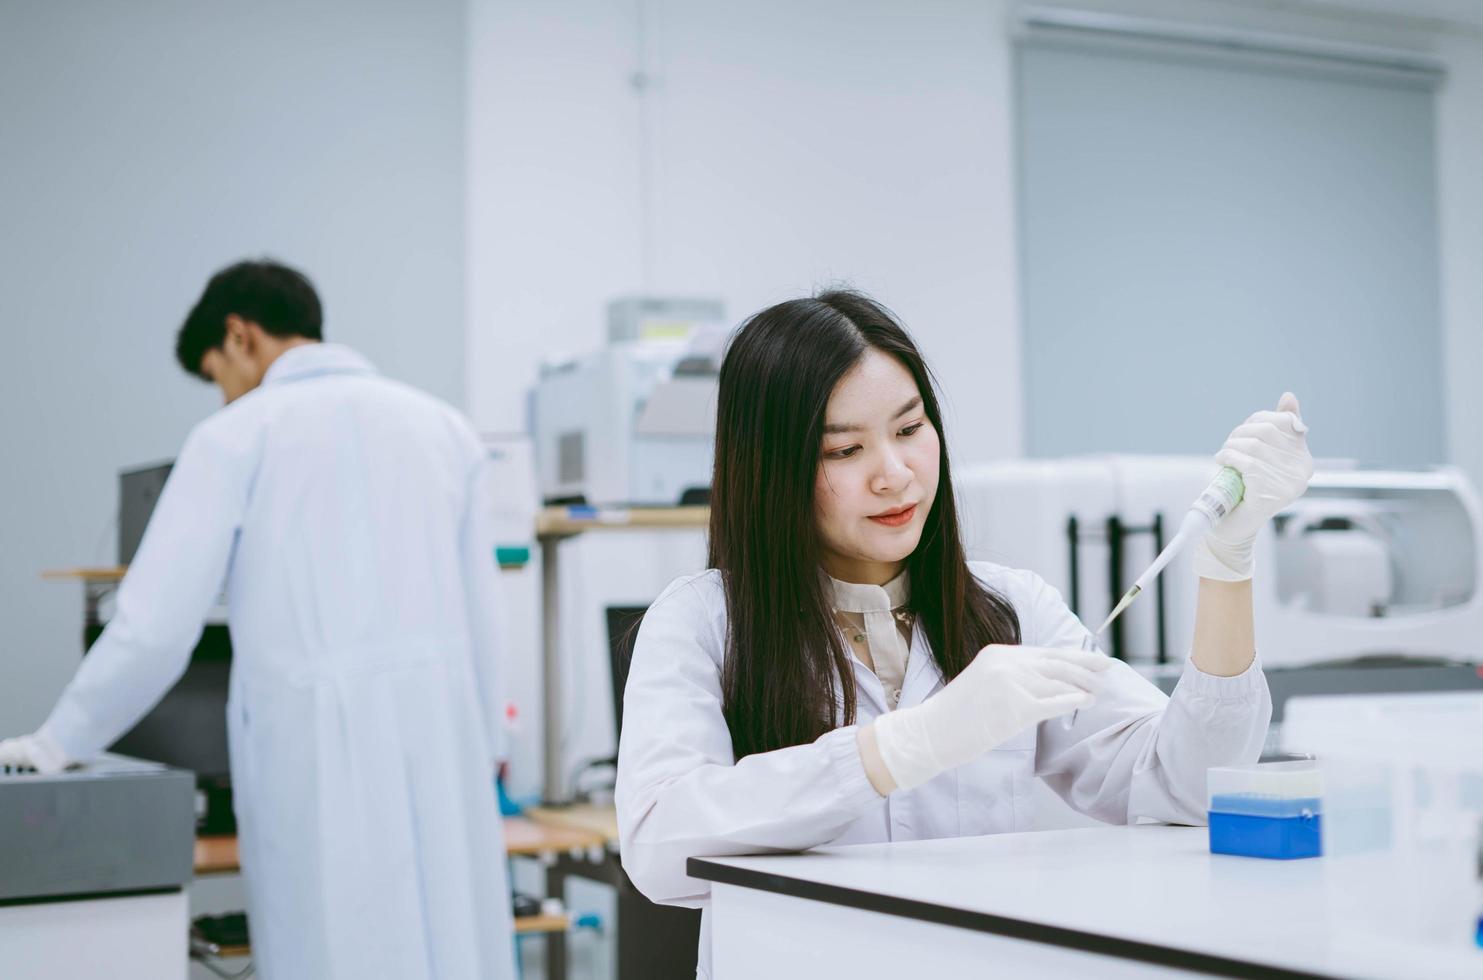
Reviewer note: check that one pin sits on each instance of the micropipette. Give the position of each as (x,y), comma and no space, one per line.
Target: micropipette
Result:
(1218,500)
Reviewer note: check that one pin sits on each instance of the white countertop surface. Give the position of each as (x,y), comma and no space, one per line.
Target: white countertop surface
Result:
(1151,884)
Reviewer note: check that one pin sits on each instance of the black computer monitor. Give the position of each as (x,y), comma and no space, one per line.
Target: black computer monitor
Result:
(188,727)
(138,489)
(623,628)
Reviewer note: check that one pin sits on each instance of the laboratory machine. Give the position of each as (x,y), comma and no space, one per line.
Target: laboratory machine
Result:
(633,422)
(93,863)
(1377,565)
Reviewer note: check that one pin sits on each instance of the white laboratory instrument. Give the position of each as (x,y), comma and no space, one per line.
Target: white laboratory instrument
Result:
(93,866)
(1374,563)
(1368,563)
(633,423)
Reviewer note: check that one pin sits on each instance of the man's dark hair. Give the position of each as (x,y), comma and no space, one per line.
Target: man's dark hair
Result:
(280,300)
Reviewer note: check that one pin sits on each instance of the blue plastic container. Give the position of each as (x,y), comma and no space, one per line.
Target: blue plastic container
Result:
(1268,810)
(1266,828)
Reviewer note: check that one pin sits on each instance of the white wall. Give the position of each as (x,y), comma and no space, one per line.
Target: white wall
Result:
(776,147)
(144,146)
(552,188)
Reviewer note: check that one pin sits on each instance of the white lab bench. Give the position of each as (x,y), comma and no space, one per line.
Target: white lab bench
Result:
(1145,901)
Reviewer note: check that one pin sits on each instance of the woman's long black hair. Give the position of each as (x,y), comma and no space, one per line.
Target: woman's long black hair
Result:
(784,652)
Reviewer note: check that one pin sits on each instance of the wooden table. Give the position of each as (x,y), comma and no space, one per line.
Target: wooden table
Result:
(653,940)
(533,837)
(598,821)
(101,581)
(218,854)
(97,585)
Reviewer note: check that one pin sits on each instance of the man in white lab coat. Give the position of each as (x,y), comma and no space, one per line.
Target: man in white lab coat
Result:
(346,516)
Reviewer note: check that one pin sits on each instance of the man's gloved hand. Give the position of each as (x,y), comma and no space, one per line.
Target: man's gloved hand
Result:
(37,751)
(1005,690)
(1270,451)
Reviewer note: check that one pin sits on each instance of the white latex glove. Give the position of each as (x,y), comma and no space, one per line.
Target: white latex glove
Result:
(37,751)
(1270,451)
(1005,690)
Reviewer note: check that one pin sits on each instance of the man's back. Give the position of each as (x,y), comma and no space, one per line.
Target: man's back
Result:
(345,513)
(350,538)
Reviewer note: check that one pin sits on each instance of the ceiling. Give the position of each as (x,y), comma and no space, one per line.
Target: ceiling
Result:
(1464,13)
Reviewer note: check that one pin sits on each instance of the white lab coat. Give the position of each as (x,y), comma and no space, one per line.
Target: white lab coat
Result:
(1135,755)
(345,514)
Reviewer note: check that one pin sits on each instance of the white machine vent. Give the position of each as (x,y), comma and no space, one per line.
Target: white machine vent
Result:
(570,453)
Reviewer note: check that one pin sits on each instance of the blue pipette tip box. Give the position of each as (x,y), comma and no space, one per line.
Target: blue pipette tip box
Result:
(1282,838)
(1272,810)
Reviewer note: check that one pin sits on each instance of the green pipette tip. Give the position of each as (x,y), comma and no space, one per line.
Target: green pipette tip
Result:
(1123,603)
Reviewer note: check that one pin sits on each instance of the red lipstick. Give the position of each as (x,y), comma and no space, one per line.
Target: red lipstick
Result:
(896,517)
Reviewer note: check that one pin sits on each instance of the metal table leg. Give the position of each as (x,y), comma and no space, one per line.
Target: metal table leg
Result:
(552,783)
(556,941)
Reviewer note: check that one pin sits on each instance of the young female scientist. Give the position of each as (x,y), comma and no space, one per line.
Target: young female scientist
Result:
(841,674)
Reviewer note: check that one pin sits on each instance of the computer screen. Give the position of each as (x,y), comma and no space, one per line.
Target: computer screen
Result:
(623,628)
(138,489)
(188,727)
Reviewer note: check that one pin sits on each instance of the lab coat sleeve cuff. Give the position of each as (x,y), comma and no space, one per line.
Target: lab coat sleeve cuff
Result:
(61,731)
(852,784)
(1248,685)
